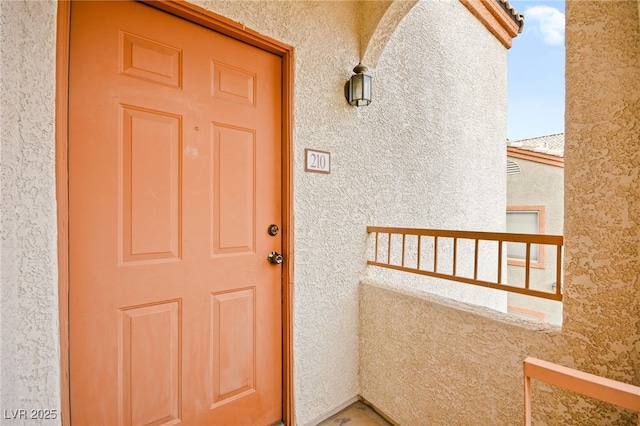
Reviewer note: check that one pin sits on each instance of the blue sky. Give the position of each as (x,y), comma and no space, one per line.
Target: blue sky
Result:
(535,83)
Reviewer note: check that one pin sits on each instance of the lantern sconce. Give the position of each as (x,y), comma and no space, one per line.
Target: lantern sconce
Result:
(358,89)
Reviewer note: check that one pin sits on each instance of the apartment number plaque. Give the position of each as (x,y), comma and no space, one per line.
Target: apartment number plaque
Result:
(317,161)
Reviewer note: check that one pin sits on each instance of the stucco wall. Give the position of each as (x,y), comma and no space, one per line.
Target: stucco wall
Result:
(429,172)
(451,351)
(29,349)
(428,152)
(427,360)
(602,192)
(539,184)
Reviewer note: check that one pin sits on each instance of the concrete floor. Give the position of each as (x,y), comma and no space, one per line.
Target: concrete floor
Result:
(357,414)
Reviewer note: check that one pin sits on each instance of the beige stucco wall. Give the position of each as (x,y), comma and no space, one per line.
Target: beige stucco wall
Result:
(437,120)
(426,170)
(602,192)
(427,360)
(451,352)
(29,345)
(541,185)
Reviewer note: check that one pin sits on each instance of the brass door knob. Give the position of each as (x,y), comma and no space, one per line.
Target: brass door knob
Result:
(275,258)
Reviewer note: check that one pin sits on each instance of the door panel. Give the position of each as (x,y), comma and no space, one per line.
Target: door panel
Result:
(149,363)
(174,177)
(234,183)
(233,353)
(151,197)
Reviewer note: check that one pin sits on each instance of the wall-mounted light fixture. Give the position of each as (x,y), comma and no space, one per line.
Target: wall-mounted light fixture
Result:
(358,88)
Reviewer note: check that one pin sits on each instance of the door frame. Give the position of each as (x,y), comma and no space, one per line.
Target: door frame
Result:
(234,30)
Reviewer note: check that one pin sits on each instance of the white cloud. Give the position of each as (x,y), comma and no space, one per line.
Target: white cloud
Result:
(550,23)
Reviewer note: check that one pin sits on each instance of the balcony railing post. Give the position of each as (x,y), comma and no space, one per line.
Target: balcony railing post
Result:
(455,256)
(475,261)
(435,254)
(376,255)
(559,280)
(527,267)
(500,261)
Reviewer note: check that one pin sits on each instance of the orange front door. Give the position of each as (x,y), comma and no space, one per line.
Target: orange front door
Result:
(174,178)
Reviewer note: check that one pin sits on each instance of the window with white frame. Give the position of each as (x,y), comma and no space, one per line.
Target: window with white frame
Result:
(525,220)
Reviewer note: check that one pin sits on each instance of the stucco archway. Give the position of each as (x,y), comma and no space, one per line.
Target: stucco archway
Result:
(379,20)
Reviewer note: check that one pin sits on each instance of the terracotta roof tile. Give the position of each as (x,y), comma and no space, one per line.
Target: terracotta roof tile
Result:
(518,18)
(549,144)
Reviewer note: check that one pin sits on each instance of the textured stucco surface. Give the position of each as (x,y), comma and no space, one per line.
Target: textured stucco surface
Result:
(378,23)
(600,332)
(602,192)
(539,184)
(452,170)
(29,349)
(429,360)
(369,22)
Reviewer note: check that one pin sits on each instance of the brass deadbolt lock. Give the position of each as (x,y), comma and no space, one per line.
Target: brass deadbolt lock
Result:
(273,230)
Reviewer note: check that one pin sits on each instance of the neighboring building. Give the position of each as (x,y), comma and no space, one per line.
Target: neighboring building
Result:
(535,200)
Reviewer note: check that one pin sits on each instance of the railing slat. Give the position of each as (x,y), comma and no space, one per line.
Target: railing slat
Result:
(376,256)
(559,274)
(499,262)
(475,261)
(455,256)
(435,254)
(527,266)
